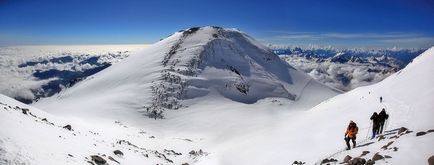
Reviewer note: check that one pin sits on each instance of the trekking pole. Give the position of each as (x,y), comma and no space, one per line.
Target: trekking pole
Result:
(387,123)
(369,129)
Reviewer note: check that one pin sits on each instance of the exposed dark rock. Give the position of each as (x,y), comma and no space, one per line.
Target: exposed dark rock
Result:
(118,153)
(112,159)
(395,149)
(171,152)
(243,88)
(387,156)
(401,130)
(233,69)
(70,155)
(347,158)
(394,137)
(163,156)
(387,145)
(325,161)
(370,162)
(377,156)
(197,153)
(98,160)
(90,162)
(44,119)
(420,133)
(68,127)
(381,137)
(431,160)
(191,30)
(30,113)
(429,131)
(25,110)
(364,153)
(296,163)
(357,161)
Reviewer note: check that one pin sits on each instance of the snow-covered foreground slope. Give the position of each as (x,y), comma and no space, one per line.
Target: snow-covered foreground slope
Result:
(221,63)
(31,136)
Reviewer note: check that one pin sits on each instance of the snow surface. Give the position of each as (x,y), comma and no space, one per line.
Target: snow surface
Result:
(38,138)
(273,130)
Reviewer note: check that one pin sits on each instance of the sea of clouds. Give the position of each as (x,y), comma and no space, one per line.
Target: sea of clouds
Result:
(346,69)
(31,72)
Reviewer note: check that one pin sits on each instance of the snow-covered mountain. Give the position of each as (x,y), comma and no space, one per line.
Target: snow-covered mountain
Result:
(346,69)
(33,72)
(197,62)
(92,122)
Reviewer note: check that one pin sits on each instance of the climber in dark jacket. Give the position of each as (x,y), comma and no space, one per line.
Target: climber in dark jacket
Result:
(350,134)
(382,117)
(375,124)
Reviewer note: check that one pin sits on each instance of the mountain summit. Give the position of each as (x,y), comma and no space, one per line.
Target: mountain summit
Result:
(197,62)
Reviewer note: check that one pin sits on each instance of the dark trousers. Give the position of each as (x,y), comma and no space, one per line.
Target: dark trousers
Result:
(375,130)
(381,128)
(347,140)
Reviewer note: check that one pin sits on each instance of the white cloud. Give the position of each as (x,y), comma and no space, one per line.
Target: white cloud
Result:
(19,82)
(335,74)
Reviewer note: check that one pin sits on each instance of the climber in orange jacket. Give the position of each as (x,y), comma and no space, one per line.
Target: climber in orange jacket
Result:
(350,134)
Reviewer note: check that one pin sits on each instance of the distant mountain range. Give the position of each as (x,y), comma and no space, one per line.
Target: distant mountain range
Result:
(346,69)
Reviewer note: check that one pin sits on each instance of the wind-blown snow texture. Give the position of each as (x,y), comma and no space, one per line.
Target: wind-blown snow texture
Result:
(213,129)
(346,69)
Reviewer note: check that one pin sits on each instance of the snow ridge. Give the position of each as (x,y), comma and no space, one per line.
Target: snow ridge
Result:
(188,66)
(213,59)
(170,86)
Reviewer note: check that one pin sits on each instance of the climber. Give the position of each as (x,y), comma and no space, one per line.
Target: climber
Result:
(350,134)
(375,124)
(382,117)
(381,99)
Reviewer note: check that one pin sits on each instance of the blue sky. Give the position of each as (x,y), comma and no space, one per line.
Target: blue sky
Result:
(342,23)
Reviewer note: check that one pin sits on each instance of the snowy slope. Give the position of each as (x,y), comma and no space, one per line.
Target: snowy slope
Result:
(314,135)
(408,97)
(36,137)
(269,131)
(197,62)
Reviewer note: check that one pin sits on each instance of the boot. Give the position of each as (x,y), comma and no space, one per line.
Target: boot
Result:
(347,141)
